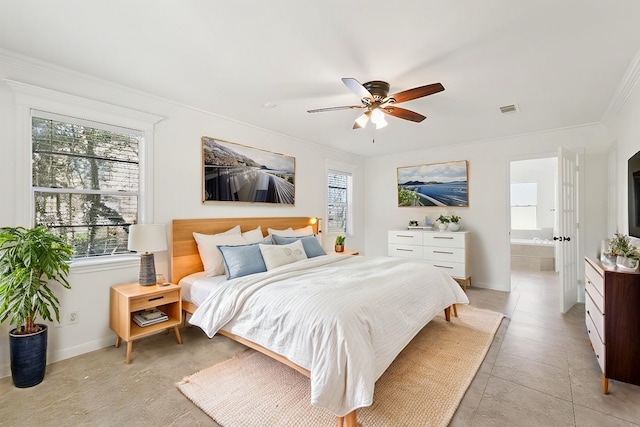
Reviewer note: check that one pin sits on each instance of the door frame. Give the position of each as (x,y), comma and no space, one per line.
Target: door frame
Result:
(581,204)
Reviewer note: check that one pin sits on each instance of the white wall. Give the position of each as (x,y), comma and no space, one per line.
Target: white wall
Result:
(177,162)
(624,127)
(486,216)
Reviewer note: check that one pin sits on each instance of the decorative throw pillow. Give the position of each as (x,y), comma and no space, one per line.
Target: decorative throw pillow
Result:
(310,243)
(253,236)
(290,232)
(242,260)
(210,254)
(277,255)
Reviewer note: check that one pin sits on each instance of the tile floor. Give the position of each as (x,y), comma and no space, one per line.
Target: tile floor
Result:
(540,370)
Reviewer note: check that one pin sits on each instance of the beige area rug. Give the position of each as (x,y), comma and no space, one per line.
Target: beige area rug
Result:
(422,387)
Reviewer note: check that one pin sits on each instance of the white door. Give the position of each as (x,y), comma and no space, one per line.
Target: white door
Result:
(567,233)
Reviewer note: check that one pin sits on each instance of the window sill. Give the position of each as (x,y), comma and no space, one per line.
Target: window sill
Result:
(91,265)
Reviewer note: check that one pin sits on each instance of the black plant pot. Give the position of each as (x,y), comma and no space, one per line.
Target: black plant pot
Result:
(28,357)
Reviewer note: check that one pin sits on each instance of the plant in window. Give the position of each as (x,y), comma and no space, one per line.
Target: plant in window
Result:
(29,260)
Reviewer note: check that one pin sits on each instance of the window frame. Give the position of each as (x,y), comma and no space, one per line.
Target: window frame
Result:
(343,169)
(28,98)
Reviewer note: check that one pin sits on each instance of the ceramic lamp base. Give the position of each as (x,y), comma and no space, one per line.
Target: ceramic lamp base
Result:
(147,270)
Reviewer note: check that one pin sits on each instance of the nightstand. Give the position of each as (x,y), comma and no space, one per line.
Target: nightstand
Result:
(344,253)
(129,298)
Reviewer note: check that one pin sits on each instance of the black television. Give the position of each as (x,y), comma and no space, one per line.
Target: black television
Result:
(634,195)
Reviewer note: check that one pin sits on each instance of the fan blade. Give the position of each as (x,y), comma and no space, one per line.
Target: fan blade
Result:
(362,120)
(346,107)
(416,92)
(357,88)
(402,113)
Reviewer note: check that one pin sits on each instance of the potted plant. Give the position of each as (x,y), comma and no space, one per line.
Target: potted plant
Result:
(627,255)
(339,244)
(454,224)
(444,222)
(29,260)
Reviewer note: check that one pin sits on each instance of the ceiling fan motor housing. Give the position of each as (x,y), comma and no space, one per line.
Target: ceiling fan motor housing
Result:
(378,89)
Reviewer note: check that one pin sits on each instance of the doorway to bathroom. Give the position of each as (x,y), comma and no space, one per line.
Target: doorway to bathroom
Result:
(533,195)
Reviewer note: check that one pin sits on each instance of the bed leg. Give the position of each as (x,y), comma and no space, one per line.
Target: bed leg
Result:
(447,313)
(455,310)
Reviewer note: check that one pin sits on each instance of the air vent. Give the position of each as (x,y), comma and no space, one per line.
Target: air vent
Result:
(508,109)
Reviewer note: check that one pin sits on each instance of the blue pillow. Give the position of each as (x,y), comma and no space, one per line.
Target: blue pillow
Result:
(310,244)
(242,260)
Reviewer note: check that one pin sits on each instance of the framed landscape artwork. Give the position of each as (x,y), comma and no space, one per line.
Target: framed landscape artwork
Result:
(437,184)
(237,173)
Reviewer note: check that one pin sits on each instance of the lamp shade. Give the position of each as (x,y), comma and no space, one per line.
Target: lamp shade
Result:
(147,238)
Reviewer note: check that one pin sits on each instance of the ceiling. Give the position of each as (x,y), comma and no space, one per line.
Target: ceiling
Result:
(560,62)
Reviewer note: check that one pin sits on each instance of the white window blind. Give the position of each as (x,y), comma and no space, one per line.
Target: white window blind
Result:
(85,181)
(339,205)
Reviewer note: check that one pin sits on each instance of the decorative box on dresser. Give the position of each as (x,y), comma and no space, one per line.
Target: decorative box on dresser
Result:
(612,316)
(448,250)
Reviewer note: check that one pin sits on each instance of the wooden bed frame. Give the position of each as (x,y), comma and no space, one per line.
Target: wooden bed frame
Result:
(185,260)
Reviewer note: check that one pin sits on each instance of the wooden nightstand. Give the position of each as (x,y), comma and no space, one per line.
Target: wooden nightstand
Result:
(344,253)
(129,298)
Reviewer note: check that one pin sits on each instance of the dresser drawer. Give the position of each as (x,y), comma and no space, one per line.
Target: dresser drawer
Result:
(405,251)
(596,296)
(592,311)
(405,237)
(443,254)
(447,240)
(454,269)
(596,343)
(593,277)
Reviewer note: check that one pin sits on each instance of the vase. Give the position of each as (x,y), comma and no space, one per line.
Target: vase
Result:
(626,264)
(442,227)
(454,226)
(339,248)
(28,354)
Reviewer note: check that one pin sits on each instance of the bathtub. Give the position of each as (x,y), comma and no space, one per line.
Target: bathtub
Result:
(533,254)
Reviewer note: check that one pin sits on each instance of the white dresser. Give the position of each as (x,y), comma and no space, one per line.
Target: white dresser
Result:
(447,250)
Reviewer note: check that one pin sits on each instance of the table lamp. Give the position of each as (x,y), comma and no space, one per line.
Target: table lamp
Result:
(147,238)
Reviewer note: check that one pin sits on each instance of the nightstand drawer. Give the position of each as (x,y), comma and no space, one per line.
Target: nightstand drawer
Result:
(154,300)
(405,251)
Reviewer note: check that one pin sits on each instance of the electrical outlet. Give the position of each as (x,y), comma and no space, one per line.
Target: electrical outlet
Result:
(73,317)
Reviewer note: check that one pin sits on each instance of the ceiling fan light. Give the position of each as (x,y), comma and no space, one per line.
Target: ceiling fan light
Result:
(362,121)
(381,123)
(377,116)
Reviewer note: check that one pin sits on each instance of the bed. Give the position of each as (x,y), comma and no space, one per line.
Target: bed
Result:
(338,319)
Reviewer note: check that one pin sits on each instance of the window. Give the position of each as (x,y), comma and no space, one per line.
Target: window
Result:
(339,202)
(85,181)
(524,201)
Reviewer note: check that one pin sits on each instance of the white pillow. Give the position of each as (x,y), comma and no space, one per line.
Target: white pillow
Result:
(253,236)
(290,232)
(210,255)
(277,255)
(280,232)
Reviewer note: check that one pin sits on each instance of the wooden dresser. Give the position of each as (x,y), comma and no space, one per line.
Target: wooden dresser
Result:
(447,250)
(612,315)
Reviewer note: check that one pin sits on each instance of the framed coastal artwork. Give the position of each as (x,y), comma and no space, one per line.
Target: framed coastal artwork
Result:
(238,173)
(436,184)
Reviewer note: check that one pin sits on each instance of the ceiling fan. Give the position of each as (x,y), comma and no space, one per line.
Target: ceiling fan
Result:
(375,98)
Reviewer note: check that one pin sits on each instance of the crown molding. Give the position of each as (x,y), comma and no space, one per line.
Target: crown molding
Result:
(626,86)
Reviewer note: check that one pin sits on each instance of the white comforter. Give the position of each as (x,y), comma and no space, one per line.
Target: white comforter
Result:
(343,318)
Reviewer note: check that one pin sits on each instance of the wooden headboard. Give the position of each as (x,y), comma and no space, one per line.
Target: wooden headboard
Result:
(185,258)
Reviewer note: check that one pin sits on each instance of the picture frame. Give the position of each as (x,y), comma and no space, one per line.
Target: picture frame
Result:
(435,184)
(238,173)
